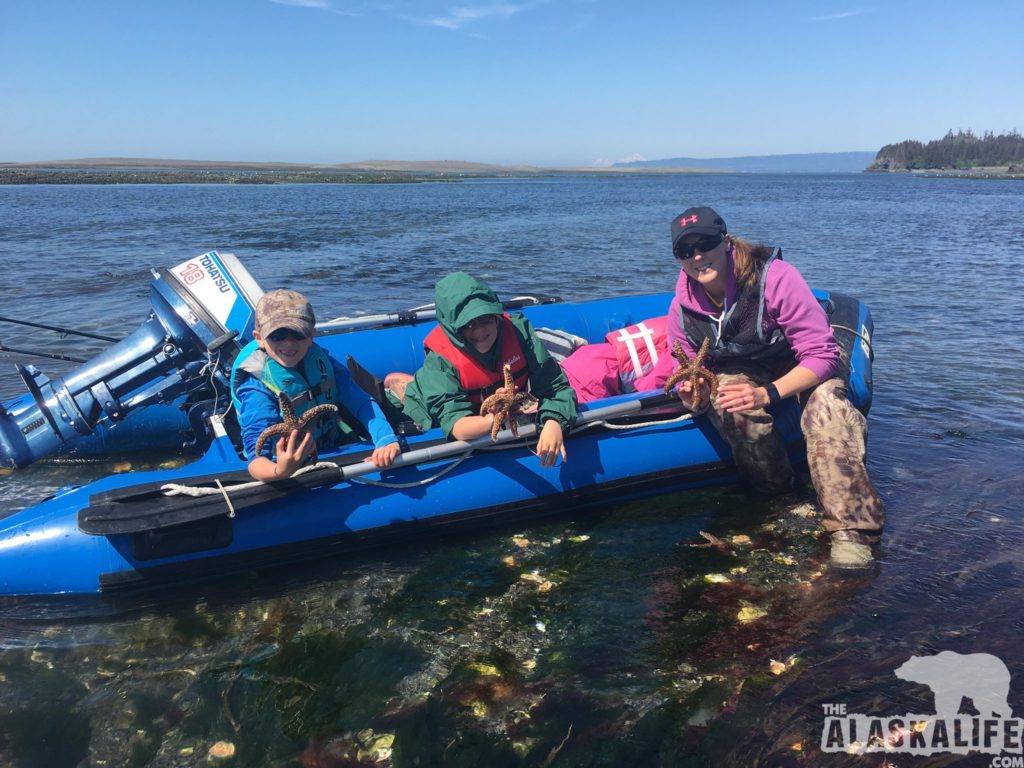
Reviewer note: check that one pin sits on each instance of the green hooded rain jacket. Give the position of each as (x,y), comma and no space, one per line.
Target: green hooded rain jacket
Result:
(435,398)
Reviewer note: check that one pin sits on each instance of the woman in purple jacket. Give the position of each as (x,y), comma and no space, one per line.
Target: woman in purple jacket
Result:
(770,340)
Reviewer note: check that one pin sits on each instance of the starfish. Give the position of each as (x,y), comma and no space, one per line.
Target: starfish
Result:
(508,405)
(713,542)
(291,421)
(693,370)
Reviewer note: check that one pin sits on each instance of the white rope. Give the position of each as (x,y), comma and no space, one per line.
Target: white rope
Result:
(210,369)
(177,489)
(637,425)
(227,499)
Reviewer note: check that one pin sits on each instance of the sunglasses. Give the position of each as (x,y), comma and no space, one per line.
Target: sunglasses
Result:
(685,251)
(284,334)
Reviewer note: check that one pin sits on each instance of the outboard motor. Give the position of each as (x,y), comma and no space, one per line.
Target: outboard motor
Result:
(202,309)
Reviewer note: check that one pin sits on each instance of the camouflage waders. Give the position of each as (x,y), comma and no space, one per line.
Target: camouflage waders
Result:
(836,435)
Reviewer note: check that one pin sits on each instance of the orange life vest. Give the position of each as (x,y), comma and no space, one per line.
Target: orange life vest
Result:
(476,380)
(638,347)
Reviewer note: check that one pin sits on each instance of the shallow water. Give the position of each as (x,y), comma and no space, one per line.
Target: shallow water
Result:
(623,643)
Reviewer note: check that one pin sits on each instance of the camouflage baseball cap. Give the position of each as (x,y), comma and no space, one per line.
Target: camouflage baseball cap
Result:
(282,308)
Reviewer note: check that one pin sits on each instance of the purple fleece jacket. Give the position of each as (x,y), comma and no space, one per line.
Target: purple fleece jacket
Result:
(789,305)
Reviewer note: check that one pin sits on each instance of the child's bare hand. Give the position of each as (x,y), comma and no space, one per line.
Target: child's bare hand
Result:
(384,456)
(550,445)
(292,451)
(497,403)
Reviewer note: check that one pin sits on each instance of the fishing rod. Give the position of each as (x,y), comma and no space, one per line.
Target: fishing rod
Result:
(58,329)
(31,353)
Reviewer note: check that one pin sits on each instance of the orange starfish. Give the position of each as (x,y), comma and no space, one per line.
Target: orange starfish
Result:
(508,405)
(291,421)
(693,370)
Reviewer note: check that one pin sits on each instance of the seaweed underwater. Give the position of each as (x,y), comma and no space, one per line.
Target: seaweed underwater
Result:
(625,635)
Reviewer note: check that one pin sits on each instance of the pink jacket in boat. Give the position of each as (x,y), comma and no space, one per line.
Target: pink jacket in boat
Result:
(603,370)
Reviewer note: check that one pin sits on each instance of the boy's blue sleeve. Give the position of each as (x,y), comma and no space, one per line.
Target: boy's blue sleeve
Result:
(363,407)
(259,410)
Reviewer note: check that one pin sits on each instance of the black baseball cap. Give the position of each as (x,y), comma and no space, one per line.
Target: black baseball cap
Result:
(697,221)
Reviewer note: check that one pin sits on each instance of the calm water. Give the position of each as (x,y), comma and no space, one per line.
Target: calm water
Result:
(442,654)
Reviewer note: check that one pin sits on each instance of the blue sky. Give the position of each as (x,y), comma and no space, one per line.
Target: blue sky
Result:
(541,82)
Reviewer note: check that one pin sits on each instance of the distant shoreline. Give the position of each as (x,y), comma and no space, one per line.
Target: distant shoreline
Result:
(158,171)
(992,172)
(24,176)
(153,171)
(65,176)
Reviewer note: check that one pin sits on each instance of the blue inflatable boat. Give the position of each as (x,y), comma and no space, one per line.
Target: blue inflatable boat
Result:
(209,517)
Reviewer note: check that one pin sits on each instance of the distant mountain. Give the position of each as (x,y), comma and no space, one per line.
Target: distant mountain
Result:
(816,162)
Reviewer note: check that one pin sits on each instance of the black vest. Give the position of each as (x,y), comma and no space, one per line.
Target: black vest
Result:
(742,336)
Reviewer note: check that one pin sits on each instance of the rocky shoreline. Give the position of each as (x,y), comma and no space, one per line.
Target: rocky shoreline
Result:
(991,172)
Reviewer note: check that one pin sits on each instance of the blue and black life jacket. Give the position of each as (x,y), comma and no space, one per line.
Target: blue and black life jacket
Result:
(311,383)
(742,334)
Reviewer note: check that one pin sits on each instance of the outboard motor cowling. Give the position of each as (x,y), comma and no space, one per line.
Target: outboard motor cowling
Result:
(201,310)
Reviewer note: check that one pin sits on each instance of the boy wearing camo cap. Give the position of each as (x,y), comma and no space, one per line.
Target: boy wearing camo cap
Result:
(282,357)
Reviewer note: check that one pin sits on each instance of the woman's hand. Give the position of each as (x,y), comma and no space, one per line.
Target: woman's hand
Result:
(384,456)
(685,392)
(292,451)
(550,445)
(739,396)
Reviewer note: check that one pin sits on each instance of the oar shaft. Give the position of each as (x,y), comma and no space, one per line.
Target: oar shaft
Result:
(645,403)
(407,317)
(435,452)
(458,447)
(421,314)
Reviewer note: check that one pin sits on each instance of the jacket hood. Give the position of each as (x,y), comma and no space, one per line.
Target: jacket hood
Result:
(459,299)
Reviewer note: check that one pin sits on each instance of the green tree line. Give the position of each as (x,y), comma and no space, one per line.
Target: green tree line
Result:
(954,150)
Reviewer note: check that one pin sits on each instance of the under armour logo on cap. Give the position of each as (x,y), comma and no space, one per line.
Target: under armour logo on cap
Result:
(701,221)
